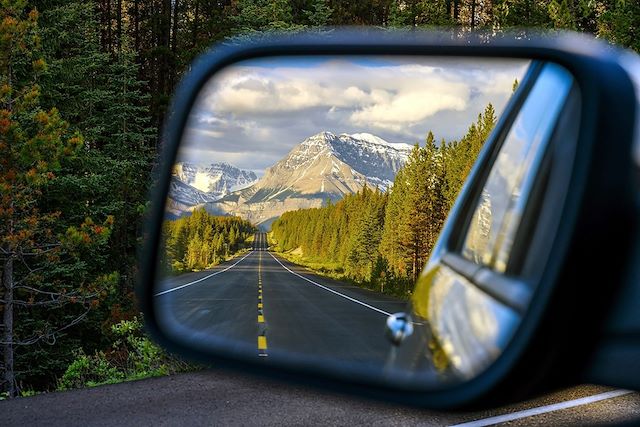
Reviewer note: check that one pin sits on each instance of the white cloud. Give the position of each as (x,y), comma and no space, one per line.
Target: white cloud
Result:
(267,107)
(207,133)
(411,106)
(255,131)
(387,97)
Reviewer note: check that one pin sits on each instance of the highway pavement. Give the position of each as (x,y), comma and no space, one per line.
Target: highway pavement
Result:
(219,398)
(274,306)
(261,299)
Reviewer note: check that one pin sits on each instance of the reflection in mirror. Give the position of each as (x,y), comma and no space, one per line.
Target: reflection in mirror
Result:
(305,200)
(497,216)
(470,322)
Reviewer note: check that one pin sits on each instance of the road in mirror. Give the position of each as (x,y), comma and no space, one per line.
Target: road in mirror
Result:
(306,197)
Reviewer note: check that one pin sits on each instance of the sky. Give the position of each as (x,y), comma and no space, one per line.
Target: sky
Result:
(253,113)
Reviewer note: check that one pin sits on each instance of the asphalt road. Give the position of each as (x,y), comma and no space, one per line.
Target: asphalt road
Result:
(230,399)
(274,306)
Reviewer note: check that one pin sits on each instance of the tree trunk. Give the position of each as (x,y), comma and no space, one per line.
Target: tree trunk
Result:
(196,24)
(473,14)
(7,337)
(174,43)
(415,264)
(119,26)
(7,284)
(136,27)
(108,20)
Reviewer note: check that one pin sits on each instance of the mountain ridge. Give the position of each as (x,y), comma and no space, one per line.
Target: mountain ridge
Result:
(194,184)
(323,166)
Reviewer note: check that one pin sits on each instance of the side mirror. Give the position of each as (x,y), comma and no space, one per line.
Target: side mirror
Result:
(288,236)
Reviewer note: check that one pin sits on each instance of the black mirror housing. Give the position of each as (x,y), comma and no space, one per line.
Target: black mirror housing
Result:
(574,326)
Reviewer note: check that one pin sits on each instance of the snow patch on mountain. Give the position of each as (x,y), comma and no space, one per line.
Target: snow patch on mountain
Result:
(216,179)
(195,184)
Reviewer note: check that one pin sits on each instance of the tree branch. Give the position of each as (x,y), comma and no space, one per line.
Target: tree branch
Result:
(48,335)
(62,299)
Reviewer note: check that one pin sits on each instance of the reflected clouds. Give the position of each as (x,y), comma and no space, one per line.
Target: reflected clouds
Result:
(267,106)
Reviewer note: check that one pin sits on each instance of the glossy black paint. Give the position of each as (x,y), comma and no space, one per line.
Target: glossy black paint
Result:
(564,324)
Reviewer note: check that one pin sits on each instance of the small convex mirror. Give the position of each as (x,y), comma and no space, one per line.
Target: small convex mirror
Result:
(307,196)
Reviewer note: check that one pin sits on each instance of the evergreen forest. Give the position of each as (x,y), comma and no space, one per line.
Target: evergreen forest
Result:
(84,89)
(201,240)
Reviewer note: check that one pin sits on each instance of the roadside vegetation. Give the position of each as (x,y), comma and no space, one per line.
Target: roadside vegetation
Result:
(84,88)
(381,240)
(202,240)
(131,356)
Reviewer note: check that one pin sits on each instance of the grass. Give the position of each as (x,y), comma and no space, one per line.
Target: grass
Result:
(334,270)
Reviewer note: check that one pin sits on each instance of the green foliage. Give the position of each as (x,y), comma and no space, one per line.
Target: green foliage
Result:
(262,15)
(202,240)
(420,13)
(132,356)
(48,278)
(84,87)
(619,22)
(318,13)
(90,193)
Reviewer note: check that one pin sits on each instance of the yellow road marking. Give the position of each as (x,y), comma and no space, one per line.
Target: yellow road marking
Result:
(262,340)
(262,343)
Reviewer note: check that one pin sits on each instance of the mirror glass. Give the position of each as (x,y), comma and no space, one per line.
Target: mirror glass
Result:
(308,194)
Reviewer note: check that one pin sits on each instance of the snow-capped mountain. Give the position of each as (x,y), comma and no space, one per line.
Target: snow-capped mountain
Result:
(216,179)
(194,184)
(323,166)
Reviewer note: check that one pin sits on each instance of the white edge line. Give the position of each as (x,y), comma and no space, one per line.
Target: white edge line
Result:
(329,289)
(543,409)
(203,278)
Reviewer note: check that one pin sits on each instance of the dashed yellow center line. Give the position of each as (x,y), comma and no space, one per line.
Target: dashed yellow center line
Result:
(262,343)
(262,339)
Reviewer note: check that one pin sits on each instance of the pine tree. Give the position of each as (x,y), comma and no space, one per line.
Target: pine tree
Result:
(318,13)
(38,256)
(263,15)
(100,95)
(390,245)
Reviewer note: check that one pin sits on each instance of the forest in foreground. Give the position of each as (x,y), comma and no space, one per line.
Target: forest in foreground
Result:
(84,87)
